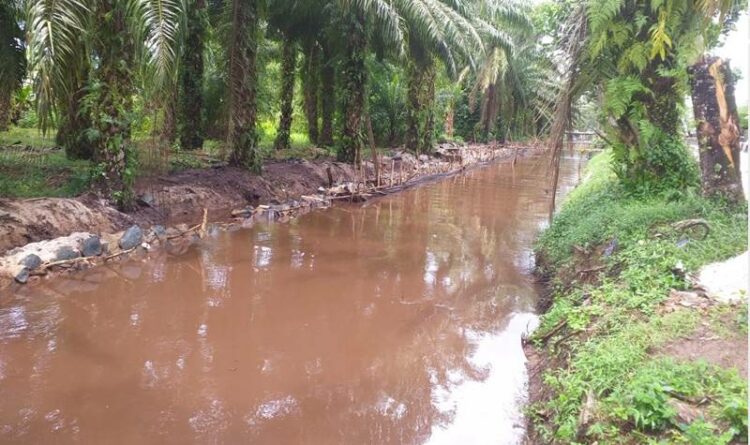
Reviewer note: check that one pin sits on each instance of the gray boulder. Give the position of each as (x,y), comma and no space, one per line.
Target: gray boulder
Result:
(31,261)
(131,238)
(66,253)
(20,273)
(159,232)
(91,246)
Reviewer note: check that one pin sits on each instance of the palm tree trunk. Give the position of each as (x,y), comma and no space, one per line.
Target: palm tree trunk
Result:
(74,116)
(421,97)
(717,127)
(5,96)
(428,111)
(191,78)
(327,99)
(243,136)
(449,117)
(414,108)
(288,63)
(168,131)
(663,105)
(310,83)
(354,85)
(74,121)
(111,95)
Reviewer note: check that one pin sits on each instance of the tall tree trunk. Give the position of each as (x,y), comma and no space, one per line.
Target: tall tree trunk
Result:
(110,95)
(663,106)
(354,85)
(414,108)
(327,98)
(449,117)
(420,115)
(717,127)
(5,96)
(168,131)
(428,111)
(74,117)
(310,86)
(288,64)
(243,136)
(74,121)
(191,78)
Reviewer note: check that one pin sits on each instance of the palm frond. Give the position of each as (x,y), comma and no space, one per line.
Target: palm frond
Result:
(160,23)
(56,32)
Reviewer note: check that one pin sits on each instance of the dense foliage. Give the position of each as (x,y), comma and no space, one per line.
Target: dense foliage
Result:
(344,74)
(106,74)
(635,55)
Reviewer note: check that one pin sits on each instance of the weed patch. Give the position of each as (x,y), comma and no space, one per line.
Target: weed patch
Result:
(608,383)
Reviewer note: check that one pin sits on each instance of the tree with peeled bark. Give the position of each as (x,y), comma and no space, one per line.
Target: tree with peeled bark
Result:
(243,107)
(717,127)
(288,65)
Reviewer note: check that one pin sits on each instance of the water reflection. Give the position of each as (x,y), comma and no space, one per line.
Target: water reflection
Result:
(396,322)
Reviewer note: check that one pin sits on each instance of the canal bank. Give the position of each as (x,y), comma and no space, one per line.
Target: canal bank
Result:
(631,347)
(42,237)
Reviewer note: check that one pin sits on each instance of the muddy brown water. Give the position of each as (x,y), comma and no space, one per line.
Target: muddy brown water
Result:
(397,322)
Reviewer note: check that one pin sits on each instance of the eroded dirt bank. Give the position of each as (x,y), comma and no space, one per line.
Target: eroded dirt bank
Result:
(205,195)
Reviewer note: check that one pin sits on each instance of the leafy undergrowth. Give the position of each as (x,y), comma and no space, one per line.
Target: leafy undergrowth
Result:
(612,260)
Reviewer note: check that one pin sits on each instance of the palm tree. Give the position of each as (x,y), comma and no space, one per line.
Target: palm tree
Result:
(327,87)
(191,77)
(311,74)
(243,50)
(354,82)
(288,65)
(436,29)
(65,36)
(12,57)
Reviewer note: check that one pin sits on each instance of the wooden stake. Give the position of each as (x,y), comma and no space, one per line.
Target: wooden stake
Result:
(202,232)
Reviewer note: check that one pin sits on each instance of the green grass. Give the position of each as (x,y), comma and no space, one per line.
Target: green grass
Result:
(613,325)
(29,167)
(30,137)
(28,174)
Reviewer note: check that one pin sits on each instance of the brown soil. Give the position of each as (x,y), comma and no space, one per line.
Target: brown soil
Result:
(727,350)
(27,220)
(182,196)
(170,199)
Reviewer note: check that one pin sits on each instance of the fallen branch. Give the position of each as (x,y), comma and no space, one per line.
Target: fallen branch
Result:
(555,329)
(120,253)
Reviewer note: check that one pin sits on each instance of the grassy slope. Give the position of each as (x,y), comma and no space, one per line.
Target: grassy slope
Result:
(614,321)
(30,167)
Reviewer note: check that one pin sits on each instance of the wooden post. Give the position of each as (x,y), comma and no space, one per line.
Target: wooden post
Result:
(393,164)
